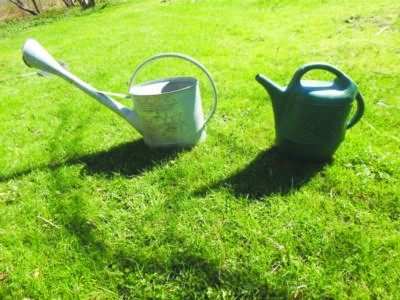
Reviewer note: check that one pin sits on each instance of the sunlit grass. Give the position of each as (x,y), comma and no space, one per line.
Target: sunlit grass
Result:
(88,211)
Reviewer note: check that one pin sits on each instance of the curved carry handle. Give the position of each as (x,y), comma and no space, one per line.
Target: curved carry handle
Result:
(360,111)
(327,67)
(317,66)
(185,58)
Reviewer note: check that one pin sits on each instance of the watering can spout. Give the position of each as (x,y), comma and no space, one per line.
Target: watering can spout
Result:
(275,91)
(35,56)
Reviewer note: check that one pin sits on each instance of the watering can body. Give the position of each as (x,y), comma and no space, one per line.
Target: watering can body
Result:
(312,117)
(168,112)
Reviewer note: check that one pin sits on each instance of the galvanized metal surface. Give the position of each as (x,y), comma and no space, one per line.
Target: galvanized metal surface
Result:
(168,112)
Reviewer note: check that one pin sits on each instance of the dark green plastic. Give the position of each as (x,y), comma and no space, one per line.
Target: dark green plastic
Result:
(311,117)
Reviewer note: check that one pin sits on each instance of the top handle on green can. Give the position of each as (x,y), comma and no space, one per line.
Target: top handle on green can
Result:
(317,66)
(185,58)
(343,77)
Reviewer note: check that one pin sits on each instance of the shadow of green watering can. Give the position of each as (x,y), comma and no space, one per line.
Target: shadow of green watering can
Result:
(311,117)
(168,112)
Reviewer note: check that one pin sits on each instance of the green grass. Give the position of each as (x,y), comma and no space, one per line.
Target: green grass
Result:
(230,218)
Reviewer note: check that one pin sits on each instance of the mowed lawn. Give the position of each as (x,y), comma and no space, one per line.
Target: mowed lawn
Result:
(87,211)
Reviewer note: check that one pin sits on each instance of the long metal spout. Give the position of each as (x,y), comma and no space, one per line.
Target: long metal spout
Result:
(35,56)
(275,91)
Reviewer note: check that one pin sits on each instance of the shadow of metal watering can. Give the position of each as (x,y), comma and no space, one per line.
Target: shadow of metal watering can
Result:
(311,116)
(168,112)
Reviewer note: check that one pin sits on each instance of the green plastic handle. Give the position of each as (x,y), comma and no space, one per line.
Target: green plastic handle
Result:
(327,67)
(317,66)
(360,111)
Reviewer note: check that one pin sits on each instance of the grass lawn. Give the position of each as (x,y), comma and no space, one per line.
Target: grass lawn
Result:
(88,211)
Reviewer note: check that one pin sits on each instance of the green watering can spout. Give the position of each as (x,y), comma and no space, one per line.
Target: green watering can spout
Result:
(275,91)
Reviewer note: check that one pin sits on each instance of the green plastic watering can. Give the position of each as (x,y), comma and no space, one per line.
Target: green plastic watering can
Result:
(312,116)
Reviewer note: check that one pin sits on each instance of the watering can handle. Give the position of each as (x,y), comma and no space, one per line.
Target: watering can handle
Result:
(360,111)
(188,59)
(327,67)
(317,66)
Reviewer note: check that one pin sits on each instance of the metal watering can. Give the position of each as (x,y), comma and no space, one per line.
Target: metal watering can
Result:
(168,112)
(311,117)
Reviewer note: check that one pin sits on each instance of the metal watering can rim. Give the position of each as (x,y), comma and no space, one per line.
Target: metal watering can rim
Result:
(191,80)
